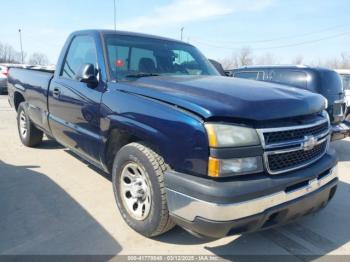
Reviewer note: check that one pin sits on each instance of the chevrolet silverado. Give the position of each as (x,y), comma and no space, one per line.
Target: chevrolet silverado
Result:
(184,145)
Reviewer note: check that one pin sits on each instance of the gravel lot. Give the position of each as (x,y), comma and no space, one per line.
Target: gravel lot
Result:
(52,203)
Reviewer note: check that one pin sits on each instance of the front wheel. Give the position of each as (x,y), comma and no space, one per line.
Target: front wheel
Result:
(30,136)
(138,184)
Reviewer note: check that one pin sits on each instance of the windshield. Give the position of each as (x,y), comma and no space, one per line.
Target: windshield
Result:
(346,81)
(133,56)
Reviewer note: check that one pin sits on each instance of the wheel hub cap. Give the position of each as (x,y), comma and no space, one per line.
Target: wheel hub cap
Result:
(23,124)
(135,191)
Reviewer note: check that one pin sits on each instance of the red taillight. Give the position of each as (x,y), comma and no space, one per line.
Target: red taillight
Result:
(5,72)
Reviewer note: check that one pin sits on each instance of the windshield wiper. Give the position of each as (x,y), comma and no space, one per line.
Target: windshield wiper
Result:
(139,75)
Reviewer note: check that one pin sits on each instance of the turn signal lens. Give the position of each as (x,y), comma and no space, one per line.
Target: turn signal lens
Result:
(234,167)
(213,142)
(213,167)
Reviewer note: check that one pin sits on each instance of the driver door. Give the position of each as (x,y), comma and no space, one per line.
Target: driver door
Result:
(74,107)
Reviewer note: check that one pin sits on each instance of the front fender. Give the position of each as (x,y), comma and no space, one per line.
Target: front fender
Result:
(177,135)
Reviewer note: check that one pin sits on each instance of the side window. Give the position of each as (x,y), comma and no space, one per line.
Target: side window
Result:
(139,57)
(289,77)
(184,61)
(183,57)
(346,81)
(247,75)
(81,51)
(261,76)
(120,57)
(124,59)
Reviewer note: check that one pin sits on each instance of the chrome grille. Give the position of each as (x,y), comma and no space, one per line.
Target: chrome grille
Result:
(291,148)
(283,136)
(279,162)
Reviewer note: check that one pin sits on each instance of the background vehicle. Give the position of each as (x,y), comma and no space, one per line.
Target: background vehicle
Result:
(3,79)
(319,80)
(184,145)
(345,75)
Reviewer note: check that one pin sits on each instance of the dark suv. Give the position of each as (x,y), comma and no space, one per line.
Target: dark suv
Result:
(318,80)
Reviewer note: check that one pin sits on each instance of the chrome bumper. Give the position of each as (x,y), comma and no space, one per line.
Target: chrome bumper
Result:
(189,208)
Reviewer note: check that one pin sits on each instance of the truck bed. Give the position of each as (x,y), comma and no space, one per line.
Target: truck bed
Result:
(33,85)
(27,78)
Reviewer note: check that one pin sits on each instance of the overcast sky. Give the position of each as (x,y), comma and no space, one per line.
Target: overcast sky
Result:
(314,29)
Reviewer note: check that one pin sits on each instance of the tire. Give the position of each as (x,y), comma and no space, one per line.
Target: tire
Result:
(148,167)
(30,136)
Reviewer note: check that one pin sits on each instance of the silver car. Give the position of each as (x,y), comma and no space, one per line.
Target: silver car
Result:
(3,79)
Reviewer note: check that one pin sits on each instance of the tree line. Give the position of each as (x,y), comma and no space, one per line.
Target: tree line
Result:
(246,57)
(8,54)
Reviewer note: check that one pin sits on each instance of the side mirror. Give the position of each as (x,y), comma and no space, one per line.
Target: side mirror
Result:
(87,74)
(218,66)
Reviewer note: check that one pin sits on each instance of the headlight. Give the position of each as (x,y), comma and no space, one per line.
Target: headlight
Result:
(234,167)
(221,135)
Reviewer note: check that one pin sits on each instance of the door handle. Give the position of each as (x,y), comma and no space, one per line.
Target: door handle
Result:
(56,92)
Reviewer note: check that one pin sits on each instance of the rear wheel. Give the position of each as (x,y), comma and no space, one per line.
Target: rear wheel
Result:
(30,136)
(138,184)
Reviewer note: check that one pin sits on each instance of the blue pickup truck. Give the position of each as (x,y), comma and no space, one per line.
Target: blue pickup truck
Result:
(215,155)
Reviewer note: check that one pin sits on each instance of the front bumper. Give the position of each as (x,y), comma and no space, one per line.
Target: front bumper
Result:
(340,131)
(217,209)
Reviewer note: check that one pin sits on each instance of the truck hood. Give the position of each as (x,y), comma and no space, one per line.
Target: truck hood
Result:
(217,96)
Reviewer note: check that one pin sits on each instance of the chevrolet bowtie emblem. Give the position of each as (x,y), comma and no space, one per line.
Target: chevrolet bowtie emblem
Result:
(309,142)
